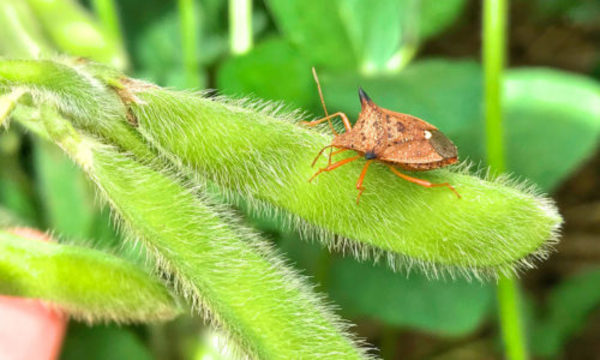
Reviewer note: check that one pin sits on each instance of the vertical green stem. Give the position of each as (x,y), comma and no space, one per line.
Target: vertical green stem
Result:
(510,318)
(107,12)
(189,41)
(494,46)
(494,43)
(240,26)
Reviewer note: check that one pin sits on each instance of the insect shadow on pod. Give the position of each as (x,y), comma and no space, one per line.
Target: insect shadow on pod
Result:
(391,138)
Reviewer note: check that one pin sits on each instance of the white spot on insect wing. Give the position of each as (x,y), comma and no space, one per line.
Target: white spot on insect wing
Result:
(427,134)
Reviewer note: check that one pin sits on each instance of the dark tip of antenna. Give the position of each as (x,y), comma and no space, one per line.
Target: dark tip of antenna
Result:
(364,98)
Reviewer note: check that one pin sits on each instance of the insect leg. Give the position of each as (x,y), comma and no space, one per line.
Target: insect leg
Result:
(335,166)
(335,153)
(422,182)
(314,71)
(345,120)
(360,180)
(319,155)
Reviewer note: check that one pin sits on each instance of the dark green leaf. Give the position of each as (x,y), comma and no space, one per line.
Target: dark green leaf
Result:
(568,308)
(316,28)
(450,308)
(437,15)
(273,70)
(67,197)
(375,29)
(16,191)
(103,343)
(364,290)
(362,34)
(553,123)
(159,53)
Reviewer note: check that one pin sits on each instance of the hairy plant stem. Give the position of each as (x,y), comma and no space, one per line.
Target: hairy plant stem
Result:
(62,274)
(235,279)
(496,227)
(256,153)
(494,47)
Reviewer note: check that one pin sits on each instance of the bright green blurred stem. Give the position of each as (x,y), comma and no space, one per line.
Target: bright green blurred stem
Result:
(20,31)
(107,12)
(189,27)
(89,284)
(240,26)
(494,46)
(510,317)
(74,31)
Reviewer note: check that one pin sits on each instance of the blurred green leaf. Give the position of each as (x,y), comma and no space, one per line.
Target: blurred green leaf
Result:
(158,49)
(16,190)
(20,31)
(370,35)
(159,53)
(381,30)
(553,123)
(73,30)
(375,28)
(544,111)
(316,28)
(67,197)
(581,12)
(567,311)
(450,308)
(364,290)
(437,15)
(273,70)
(103,343)
(8,219)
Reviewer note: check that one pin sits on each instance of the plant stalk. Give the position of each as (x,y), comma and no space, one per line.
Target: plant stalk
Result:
(107,12)
(494,27)
(188,17)
(494,48)
(240,26)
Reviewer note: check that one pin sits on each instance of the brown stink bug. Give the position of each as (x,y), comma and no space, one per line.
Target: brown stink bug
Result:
(391,138)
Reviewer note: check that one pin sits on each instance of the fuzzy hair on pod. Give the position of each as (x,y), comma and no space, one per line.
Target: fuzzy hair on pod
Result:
(256,152)
(253,151)
(62,274)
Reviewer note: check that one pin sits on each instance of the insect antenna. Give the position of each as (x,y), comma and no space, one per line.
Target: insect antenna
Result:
(314,71)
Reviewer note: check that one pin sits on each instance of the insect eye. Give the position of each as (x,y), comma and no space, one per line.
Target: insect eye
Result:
(427,134)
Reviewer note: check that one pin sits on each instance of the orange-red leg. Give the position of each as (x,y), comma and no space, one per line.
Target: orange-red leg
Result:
(330,154)
(422,182)
(328,118)
(335,153)
(320,153)
(334,166)
(360,180)
(314,71)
